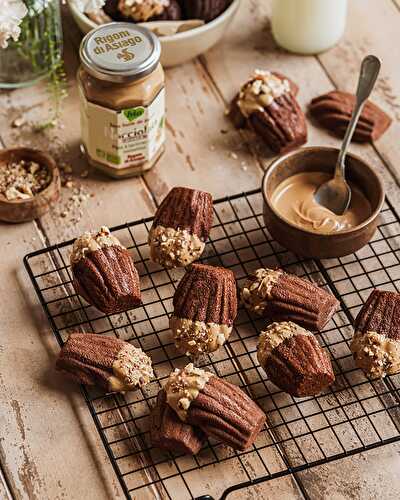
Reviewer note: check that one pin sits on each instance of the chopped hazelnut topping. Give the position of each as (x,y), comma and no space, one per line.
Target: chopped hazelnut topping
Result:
(174,247)
(260,91)
(131,368)
(197,337)
(376,354)
(23,180)
(257,290)
(92,241)
(183,387)
(142,10)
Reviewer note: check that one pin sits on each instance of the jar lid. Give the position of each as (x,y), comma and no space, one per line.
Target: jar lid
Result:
(120,52)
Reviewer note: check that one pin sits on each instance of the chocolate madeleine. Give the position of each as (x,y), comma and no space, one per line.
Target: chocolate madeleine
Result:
(205,307)
(280,296)
(207,10)
(104,273)
(333,111)
(376,341)
(222,410)
(293,359)
(107,362)
(266,104)
(181,226)
(168,432)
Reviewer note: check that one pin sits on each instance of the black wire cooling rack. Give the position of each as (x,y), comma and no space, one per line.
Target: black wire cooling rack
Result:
(354,415)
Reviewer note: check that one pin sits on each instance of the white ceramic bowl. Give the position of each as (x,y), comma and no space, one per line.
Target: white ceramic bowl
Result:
(179,48)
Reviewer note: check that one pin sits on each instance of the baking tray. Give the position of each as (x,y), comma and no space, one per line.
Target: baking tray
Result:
(354,415)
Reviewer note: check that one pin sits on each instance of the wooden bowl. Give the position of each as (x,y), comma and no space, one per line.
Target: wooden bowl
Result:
(306,242)
(32,208)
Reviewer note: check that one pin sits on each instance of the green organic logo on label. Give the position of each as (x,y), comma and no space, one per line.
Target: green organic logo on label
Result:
(113,158)
(110,157)
(133,113)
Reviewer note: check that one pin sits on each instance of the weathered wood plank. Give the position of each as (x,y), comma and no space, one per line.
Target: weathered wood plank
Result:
(203,150)
(371,474)
(103,201)
(119,200)
(344,60)
(242,51)
(43,420)
(68,424)
(229,65)
(4,489)
(198,154)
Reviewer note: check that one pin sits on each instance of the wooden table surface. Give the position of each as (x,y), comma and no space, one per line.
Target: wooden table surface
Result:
(48,445)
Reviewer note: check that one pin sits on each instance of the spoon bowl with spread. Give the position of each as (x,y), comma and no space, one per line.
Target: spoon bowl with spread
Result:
(335,194)
(299,223)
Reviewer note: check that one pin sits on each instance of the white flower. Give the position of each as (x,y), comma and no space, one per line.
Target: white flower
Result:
(11,14)
(88,5)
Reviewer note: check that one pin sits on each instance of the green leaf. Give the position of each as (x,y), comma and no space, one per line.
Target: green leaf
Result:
(133,113)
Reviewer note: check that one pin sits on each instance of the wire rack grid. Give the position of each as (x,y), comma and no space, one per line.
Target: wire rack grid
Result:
(354,415)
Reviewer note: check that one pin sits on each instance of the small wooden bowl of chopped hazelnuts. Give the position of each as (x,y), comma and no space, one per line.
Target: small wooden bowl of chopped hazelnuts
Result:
(29,184)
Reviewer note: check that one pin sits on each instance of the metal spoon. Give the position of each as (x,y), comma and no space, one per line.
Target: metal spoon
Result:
(335,194)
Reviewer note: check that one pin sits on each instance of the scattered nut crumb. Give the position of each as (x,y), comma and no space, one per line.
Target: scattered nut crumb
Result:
(18,122)
(22,180)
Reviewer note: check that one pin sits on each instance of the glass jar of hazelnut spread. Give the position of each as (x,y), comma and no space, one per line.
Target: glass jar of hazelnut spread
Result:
(122,97)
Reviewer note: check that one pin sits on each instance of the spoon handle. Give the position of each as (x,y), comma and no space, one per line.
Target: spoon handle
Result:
(368,74)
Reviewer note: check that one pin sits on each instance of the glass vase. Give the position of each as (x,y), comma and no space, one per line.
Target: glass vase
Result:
(38,49)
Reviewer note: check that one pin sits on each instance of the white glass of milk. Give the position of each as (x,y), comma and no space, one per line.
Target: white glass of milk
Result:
(308,26)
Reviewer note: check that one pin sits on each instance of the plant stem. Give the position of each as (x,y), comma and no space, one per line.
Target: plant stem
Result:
(41,45)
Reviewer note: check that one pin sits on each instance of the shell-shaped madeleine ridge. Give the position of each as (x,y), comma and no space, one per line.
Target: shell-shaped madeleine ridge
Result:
(107,362)
(380,314)
(376,341)
(294,360)
(207,294)
(301,301)
(267,104)
(167,431)
(280,296)
(282,125)
(224,411)
(186,209)
(333,111)
(108,279)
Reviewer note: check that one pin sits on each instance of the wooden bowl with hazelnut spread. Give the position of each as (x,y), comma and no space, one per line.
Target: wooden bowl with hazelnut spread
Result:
(300,224)
(29,184)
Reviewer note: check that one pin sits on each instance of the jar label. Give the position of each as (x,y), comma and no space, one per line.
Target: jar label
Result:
(125,138)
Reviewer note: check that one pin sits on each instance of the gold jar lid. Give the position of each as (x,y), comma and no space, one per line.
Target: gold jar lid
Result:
(120,52)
